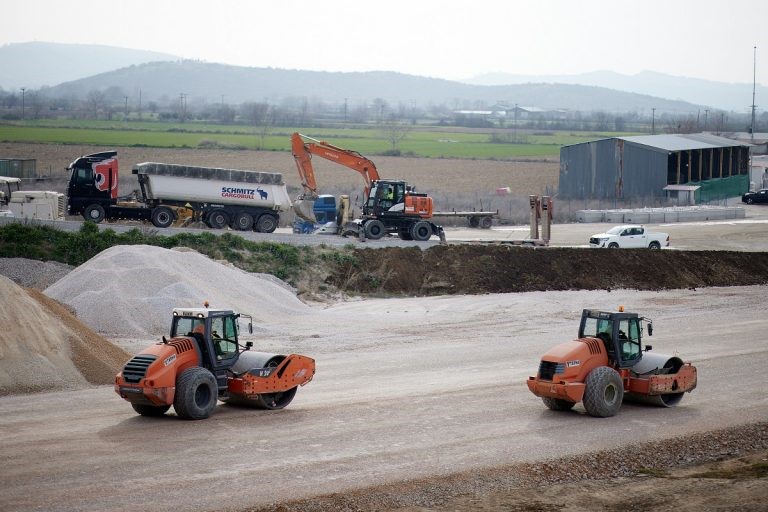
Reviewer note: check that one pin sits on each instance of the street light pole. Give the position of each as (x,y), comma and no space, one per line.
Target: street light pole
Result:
(754,76)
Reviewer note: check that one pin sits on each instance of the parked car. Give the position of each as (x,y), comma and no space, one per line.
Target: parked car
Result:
(761,196)
(629,237)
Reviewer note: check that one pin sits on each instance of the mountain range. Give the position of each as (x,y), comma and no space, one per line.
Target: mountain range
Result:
(74,70)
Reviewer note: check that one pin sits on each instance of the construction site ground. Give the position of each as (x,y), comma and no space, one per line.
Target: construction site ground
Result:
(420,402)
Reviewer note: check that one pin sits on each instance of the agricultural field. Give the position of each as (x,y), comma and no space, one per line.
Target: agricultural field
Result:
(429,142)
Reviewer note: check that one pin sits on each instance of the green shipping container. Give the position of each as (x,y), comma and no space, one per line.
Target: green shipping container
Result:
(18,168)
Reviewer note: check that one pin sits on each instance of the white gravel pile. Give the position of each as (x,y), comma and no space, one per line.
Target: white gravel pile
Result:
(129,291)
(33,273)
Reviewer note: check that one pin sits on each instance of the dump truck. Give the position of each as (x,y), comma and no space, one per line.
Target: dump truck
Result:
(243,200)
(203,362)
(607,364)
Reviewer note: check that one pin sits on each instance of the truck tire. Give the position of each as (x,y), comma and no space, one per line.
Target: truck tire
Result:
(94,213)
(218,219)
(613,245)
(654,245)
(162,217)
(374,229)
(421,231)
(556,404)
(486,222)
(243,221)
(150,410)
(603,392)
(474,221)
(266,224)
(196,394)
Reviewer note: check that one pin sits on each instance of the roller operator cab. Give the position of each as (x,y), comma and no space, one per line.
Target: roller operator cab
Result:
(205,361)
(606,364)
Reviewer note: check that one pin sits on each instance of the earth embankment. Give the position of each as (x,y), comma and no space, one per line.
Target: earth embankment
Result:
(473,269)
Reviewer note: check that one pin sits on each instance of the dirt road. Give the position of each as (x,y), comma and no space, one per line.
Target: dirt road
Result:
(405,388)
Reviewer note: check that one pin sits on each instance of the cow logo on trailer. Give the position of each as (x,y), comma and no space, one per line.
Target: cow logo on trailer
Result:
(243,193)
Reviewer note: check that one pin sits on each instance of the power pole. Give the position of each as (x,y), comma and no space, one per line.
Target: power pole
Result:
(706,116)
(754,76)
(126,109)
(22,102)
(653,121)
(139,104)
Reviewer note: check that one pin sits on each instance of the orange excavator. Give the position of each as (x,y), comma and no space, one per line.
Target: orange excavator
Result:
(390,206)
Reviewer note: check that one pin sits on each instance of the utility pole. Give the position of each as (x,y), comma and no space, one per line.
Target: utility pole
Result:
(653,121)
(706,116)
(514,127)
(139,104)
(345,110)
(754,76)
(22,102)
(126,108)
(182,110)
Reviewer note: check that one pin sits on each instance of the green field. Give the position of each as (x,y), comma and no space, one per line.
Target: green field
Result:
(420,141)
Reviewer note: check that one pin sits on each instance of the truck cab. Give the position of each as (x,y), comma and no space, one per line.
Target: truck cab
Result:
(92,186)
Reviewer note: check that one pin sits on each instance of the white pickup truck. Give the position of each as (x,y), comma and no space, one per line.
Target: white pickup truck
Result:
(629,237)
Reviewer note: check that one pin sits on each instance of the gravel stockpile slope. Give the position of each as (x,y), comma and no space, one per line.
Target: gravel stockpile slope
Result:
(129,291)
(32,273)
(44,347)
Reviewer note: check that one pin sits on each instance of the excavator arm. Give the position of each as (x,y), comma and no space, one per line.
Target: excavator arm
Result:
(304,148)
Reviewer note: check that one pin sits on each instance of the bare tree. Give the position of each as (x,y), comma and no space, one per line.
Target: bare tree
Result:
(262,117)
(95,100)
(393,131)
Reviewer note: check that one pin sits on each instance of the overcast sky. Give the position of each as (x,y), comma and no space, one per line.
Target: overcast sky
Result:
(437,38)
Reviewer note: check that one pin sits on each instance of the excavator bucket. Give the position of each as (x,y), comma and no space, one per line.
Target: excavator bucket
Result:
(304,209)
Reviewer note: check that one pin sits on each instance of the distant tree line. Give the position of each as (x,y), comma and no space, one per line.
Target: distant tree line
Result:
(393,119)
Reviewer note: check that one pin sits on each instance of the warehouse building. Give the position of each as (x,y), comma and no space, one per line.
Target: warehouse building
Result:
(696,168)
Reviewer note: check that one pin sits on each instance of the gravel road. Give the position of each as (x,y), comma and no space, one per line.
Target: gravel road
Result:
(405,389)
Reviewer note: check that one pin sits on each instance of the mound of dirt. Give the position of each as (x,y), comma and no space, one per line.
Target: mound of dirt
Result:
(473,269)
(44,347)
(128,291)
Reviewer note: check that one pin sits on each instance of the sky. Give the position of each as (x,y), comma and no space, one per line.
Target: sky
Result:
(452,39)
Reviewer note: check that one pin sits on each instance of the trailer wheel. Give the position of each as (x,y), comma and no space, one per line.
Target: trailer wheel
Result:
(654,245)
(557,404)
(486,222)
(196,394)
(603,392)
(162,217)
(218,219)
(243,221)
(266,224)
(421,231)
(474,221)
(150,410)
(94,213)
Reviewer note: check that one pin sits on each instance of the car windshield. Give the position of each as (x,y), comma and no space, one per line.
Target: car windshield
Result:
(615,231)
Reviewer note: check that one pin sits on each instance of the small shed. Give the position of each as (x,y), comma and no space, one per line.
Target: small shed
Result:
(642,166)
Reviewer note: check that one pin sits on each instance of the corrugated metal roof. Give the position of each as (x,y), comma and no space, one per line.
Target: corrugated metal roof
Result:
(683,142)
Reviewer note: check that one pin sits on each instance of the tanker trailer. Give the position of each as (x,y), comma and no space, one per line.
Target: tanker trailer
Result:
(241,199)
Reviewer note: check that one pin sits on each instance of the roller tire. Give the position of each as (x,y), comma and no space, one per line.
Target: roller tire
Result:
(151,410)
(196,394)
(374,229)
(557,404)
(421,231)
(603,393)
(266,224)
(218,219)
(162,217)
(243,221)
(94,213)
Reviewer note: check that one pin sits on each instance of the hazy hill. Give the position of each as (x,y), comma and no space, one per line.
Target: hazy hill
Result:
(722,95)
(35,64)
(208,82)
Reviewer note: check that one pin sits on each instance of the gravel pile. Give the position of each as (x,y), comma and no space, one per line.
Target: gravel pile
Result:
(129,291)
(631,461)
(32,273)
(44,347)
